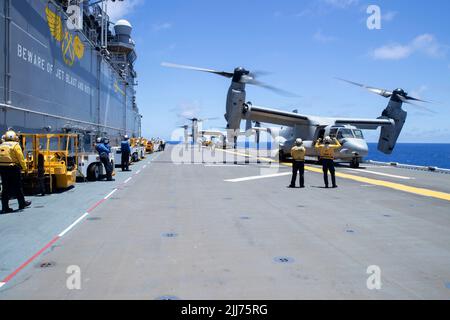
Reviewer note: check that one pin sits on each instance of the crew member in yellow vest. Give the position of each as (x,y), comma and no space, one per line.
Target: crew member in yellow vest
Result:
(11,163)
(298,164)
(326,153)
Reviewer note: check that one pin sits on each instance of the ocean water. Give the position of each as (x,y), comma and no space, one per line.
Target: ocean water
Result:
(421,154)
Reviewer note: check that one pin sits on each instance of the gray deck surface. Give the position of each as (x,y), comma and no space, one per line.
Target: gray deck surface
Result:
(229,233)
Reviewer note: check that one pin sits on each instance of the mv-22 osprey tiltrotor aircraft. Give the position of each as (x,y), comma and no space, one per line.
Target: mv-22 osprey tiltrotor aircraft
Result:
(218,137)
(310,128)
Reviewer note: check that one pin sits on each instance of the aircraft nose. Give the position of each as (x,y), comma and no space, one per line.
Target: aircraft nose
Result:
(356,147)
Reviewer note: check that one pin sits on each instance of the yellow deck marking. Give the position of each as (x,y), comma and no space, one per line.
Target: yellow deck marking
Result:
(392,185)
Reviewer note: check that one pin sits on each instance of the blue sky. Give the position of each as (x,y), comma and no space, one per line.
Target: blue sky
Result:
(304,44)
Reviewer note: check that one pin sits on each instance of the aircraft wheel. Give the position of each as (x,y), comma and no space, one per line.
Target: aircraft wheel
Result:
(355,163)
(281,156)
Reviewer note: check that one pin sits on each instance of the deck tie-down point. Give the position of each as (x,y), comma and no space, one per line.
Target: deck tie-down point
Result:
(170,235)
(284,260)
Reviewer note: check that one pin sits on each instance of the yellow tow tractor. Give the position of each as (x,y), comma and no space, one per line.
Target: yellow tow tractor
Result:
(137,150)
(149,148)
(142,145)
(55,156)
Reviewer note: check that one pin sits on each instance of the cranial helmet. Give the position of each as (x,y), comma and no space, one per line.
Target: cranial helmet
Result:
(10,135)
(99,140)
(299,142)
(126,137)
(327,140)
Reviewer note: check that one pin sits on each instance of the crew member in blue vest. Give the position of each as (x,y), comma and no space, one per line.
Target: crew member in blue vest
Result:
(104,150)
(126,151)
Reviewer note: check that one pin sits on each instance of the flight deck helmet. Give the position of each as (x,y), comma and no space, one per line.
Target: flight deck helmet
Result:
(126,137)
(298,142)
(99,140)
(10,135)
(327,140)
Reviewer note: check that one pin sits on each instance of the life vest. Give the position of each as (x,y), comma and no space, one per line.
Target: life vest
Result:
(298,153)
(7,154)
(327,152)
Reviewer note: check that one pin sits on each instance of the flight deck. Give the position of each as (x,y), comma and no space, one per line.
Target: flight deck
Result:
(220,228)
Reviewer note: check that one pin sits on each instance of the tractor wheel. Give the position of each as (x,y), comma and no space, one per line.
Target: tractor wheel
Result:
(93,172)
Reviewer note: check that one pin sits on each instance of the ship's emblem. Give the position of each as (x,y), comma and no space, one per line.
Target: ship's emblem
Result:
(118,89)
(71,46)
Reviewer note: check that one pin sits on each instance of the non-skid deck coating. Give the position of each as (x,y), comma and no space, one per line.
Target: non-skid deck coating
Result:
(188,231)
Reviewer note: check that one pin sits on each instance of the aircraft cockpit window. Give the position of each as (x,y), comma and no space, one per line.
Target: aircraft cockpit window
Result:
(358,134)
(345,133)
(333,132)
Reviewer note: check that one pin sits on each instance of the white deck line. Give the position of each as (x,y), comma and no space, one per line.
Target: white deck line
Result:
(110,194)
(259,177)
(73,225)
(381,174)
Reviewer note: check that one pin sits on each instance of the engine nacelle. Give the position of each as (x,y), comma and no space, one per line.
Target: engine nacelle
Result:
(389,134)
(235,104)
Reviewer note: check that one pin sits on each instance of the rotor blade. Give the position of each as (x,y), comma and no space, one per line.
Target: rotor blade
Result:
(272,88)
(259,73)
(180,66)
(208,119)
(381,92)
(202,120)
(408,101)
(415,99)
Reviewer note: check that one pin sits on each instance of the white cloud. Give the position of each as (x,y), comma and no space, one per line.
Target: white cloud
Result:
(278,14)
(120,9)
(341,3)
(392,52)
(425,44)
(428,44)
(324,7)
(188,109)
(320,37)
(162,26)
(304,13)
(389,16)
(419,92)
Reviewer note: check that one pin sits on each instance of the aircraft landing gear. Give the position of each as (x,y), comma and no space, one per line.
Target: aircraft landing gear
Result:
(281,156)
(355,163)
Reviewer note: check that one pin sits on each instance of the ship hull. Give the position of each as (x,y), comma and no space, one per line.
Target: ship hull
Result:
(47,86)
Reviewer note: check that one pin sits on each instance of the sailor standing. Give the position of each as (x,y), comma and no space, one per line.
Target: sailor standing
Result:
(12,162)
(326,153)
(104,150)
(298,164)
(41,171)
(125,151)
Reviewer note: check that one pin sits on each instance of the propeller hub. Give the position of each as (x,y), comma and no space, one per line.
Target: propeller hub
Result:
(400,92)
(239,73)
